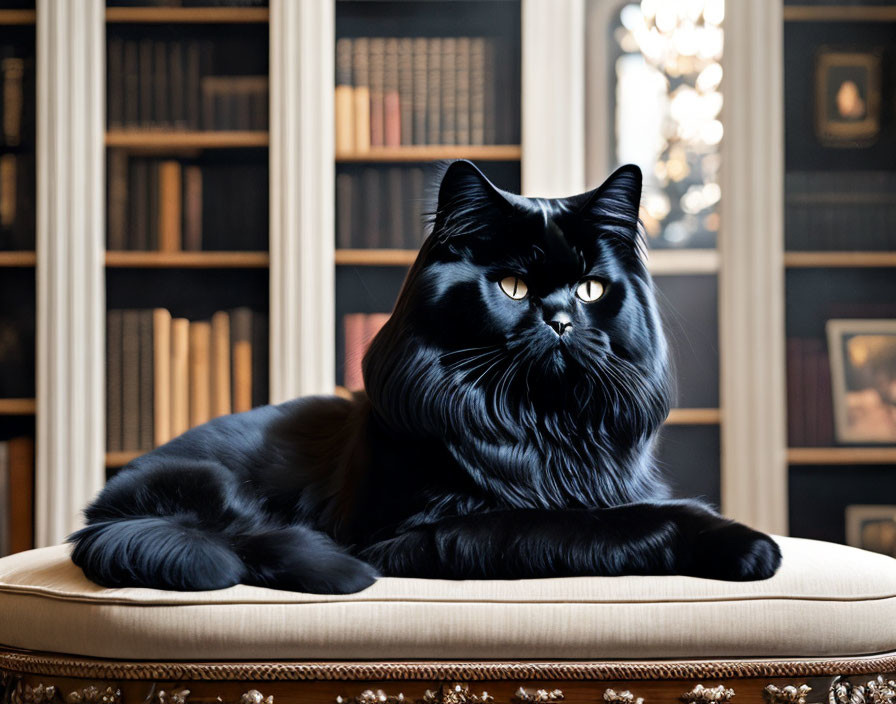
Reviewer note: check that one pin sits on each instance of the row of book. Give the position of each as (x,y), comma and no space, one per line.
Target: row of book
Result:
(16,495)
(810,409)
(168,205)
(831,211)
(380,207)
(17,337)
(166,375)
(360,329)
(169,84)
(437,90)
(17,206)
(16,98)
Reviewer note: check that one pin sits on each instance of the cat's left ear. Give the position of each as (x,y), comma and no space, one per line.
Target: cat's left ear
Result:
(467,201)
(616,202)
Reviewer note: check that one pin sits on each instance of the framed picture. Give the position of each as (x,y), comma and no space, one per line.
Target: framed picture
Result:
(847,97)
(863,379)
(872,528)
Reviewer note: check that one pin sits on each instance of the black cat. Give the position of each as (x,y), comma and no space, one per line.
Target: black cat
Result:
(512,403)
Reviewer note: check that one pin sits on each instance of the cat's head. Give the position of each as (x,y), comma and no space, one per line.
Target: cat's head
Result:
(525,315)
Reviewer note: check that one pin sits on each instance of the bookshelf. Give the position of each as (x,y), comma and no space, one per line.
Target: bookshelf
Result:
(18,264)
(168,141)
(838,263)
(185,15)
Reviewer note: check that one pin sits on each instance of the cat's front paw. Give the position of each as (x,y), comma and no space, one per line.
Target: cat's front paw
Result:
(735,552)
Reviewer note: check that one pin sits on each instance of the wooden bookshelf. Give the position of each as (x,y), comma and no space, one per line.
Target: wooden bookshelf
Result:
(842,260)
(841,455)
(17,406)
(167,140)
(694,416)
(187,260)
(499,152)
(839,13)
(660,262)
(120,459)
(18,259)
(195,15)
(17,17)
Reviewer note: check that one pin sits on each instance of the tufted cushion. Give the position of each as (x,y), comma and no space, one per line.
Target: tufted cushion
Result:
(826,600)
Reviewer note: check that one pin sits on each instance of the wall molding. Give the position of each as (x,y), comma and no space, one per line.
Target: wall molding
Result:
(553,98)
(751,279)
(71,40)
(301,198)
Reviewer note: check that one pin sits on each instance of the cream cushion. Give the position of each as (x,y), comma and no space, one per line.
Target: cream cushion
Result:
(826,600)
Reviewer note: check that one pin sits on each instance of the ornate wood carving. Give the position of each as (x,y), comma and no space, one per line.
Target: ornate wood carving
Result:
(538,695)
(372,696)
(253,696)
(876,691)
(94,695)
(708,694)
(175,696)
(26,694)
(611,696)
(456,693)
(786,695)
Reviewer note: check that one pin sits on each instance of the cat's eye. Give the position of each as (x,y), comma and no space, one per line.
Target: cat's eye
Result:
(514,287)
(590,290)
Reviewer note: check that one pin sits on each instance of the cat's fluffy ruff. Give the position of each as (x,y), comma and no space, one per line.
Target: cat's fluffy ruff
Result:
(489,446)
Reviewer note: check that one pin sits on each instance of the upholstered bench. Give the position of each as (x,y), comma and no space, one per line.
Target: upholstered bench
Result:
(822,630)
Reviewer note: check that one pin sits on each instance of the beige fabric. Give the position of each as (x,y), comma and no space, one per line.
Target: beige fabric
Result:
(826,600)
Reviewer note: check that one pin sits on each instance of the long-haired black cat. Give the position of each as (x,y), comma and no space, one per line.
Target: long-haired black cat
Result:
(512,404)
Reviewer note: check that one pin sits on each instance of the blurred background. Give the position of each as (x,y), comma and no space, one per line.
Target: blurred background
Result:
(206,206)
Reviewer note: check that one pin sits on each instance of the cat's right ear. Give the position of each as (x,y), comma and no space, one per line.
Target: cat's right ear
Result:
(466,199)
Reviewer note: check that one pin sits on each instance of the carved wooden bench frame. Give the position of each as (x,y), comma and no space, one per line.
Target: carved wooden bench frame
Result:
(44,678)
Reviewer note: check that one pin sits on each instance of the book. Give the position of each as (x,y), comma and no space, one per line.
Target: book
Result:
(192,208)
(180,376)
(170,206)
(372,207)
(419,101)
(161,375)
(220,361)
(131,83)
(117,204)
(259,359)
(434,91)
(145,81)
(353,323)
(8,196)
(462,91)
(154,199)
(241,350)
(192,90)
(115,89)
(391,100)
(130,380)
(20,453)
(5,500)
(13,70)
(377,64)
(395,236)
(449,91)
(138,205)
(145,418)
(477,90)
(361,93)
(344,202)
(114,405)
(200,372)
(160,112)
(406,90)
(177,107)
(343,107)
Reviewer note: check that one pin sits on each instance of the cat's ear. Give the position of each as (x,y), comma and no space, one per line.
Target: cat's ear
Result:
(466,200)
(617,200)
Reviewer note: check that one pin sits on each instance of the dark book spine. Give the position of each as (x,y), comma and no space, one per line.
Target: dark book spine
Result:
(406,90)
(413,207)
(192,86)
(462,91)
(145,424)
(259,359)
(344,210)
(421,91)
(130,374)
(131,84)
(477,90)
(176,86)
(161,112)
(372,200)
(145,83)
(490,121)
(391,99)
(395,237)
(154,209)
(118,199)
(794,404)
(113,381)
(138,205)
(377,61)
(449,88)
(434,91)
(115,88)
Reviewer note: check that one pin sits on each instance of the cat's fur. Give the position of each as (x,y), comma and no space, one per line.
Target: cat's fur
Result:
(488,446)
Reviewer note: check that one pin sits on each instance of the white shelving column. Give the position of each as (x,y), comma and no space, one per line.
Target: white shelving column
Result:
(751,283)
(70,291)
(302,199)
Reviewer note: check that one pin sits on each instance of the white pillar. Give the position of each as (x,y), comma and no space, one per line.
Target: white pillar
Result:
(751,285)
(302,200)
(553,97)
(70,291)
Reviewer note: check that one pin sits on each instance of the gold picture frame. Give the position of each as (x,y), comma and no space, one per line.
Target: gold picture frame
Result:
(847,97)
(872,527)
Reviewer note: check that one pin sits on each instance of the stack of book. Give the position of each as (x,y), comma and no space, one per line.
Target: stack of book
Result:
(169,84)
(438,90)
(168,205)
(827,211)
(166,375)
(17,207)
(810,412)
(16,495)
(360,329)
(378,207)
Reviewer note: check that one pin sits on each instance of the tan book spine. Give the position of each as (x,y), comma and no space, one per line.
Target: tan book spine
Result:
(21,487)
(391,100)
(406,89)
(130,385)
(170,206)
(361,94)
(161,346)
(200,373)
(8,190)
(180,376)
(343,108)
(221,394)
(477,90)
(421,91)
(462,91)
(434,91)
(242,359)
(449,96)
(13,70)
(193,208)
(377,63)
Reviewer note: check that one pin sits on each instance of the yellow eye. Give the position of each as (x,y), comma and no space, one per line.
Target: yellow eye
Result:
(590,290)
(514,287)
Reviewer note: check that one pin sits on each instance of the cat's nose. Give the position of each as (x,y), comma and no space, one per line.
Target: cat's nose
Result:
(560,323)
